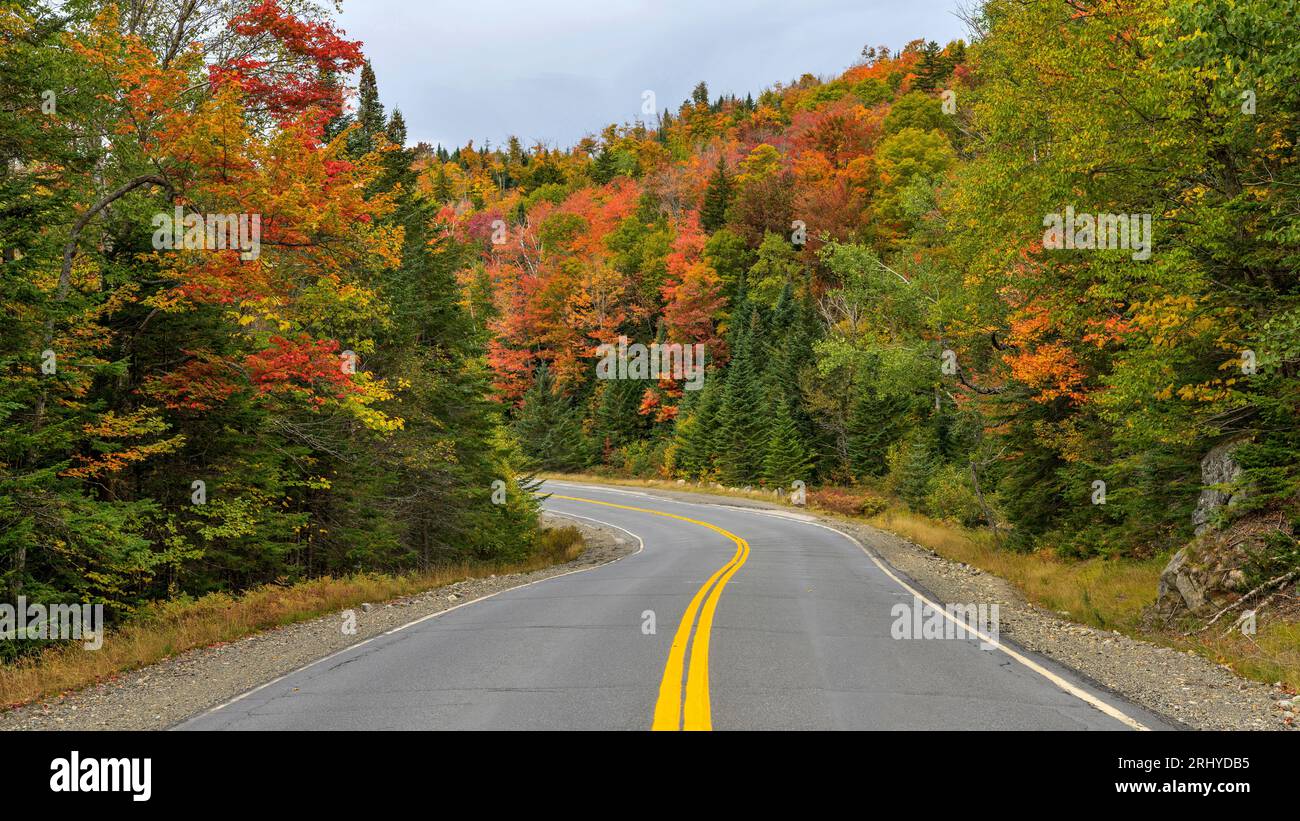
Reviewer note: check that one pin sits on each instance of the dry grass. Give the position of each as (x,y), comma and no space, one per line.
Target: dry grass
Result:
(174,627)
(1105,593)
(1273,654)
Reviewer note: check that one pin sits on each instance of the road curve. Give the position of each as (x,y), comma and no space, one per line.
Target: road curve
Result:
(727,618)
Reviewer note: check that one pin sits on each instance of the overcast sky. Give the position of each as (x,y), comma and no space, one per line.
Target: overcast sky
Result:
(555,70)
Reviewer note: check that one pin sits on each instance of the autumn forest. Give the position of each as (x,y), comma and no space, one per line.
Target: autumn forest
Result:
(986,280)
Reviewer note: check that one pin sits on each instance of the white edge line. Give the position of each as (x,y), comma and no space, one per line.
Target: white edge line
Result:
(364,642)
(1074,690)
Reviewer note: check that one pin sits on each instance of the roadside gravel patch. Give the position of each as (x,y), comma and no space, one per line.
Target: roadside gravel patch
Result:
(164,694)
(1182,686)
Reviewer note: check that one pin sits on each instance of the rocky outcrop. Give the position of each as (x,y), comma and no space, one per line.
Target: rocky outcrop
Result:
(1204,575)
(1218,471)
(1208,572)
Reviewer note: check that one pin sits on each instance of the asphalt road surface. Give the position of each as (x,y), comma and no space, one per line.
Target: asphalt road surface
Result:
(726,619)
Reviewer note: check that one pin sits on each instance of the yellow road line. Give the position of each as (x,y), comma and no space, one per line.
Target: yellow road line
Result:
(668,709)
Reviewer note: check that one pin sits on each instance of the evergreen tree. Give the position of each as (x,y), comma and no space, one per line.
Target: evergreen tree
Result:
(370,114)
(740,437)
(442,191)
(617,419)
(713,213)
(396,128)
(700,96)
(695,432)
(548,428)
(913,464)
(604,168)
(874,424)
(932,69)
(787,457)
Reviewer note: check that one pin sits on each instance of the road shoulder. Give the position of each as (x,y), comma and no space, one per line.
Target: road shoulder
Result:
(163,694)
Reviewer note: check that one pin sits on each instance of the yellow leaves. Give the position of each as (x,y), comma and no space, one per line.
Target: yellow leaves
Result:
(762,162)
(366,392)
(113,462)
(1169,319)
(113,426)
(1216,390)
(14,22)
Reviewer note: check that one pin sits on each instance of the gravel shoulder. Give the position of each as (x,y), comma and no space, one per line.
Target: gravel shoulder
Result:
(163,694)
(1183,687)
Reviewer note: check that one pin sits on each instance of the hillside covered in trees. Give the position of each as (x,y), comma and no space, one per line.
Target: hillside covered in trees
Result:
(887,271)
(874,263)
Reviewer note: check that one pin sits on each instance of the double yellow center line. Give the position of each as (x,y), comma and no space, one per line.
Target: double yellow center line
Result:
(685,705)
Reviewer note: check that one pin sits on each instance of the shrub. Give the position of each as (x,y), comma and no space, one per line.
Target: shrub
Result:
(951,496)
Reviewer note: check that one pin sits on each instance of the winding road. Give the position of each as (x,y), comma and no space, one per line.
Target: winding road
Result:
(726,618)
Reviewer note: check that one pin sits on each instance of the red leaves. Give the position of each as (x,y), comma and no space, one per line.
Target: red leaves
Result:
(197,386)
(301,368)
(292,80)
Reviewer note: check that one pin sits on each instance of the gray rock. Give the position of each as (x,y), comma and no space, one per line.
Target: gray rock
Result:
(1218,469)
(1177,579)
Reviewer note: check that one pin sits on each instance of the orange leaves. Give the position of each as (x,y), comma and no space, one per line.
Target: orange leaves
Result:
(1043,360)
(1052,370)
(692,303)
(112,426)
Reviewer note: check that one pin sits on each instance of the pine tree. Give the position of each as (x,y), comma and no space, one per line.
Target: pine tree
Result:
(696,430)
(617,420)
(700,96)
(874,424)
(548,428)
(932,69)
(604,168)
(370,113)
(396,128)
(713,213)
(913,465)
(787,457)
(741,431)
(442,191)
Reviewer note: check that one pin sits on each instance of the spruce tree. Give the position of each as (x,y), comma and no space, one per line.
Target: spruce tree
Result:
(369,116)
(700,96)
(741,431)
(617,419)
(874,424)
(787,457)
(696,430)
(547,427)
(604,168)
(713,213)
(396,128)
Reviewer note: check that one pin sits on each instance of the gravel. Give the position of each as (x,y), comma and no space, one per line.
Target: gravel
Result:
(164,694)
